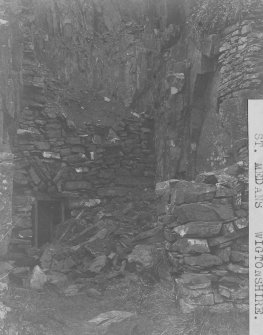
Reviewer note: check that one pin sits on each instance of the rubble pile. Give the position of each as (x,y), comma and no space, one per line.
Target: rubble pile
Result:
(206,232)
(107,249)
(106,241)
(101,242)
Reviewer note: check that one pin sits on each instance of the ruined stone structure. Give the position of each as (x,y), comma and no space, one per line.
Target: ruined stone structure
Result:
(206,232)
(101,100)
(73,142)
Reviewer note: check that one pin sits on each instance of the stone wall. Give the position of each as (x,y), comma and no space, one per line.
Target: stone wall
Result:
(94,162)
(75,137)
(155,57)
(208,74)
(238,79)
(57,158)
(206,232)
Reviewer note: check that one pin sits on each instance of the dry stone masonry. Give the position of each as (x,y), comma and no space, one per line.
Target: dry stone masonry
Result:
(206,232)
(207,77)
(95,163)
(77,158)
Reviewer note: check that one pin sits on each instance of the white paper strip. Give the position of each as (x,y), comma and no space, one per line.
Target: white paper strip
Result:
(255,129)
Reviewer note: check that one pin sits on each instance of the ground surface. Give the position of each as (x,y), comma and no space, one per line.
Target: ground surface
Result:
(48,312)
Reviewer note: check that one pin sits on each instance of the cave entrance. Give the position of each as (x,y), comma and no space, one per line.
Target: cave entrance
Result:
(47,214)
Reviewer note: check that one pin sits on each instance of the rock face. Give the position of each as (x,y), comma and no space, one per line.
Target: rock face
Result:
(219,76)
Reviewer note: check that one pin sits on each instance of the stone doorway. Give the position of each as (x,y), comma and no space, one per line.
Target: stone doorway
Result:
(46,215)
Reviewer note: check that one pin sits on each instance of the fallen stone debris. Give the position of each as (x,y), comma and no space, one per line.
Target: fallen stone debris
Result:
(81,256)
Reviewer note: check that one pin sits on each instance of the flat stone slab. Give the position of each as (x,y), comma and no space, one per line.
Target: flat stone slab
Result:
(217,241)
(77,185)
(199,229)
(233,291)
(113,192)
(203,212)
(195,281)
(189,246)
(177,192)
(202,300)
(101,324)
(186,292)
(238,269)
(225,212)
(191,192)
(204,261)
(224,192)
(82,202)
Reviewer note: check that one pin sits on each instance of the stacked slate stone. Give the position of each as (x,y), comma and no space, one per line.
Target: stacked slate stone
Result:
(238,57)
(92,162)
(206,232)
(56,158)
(52,158)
